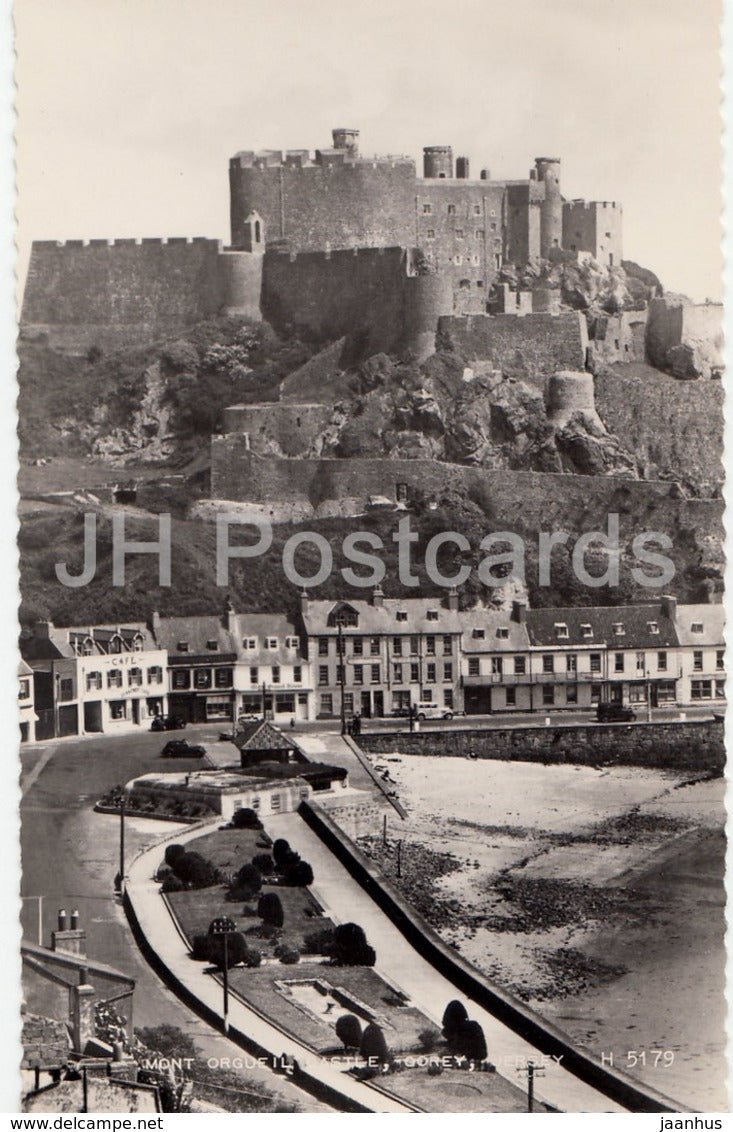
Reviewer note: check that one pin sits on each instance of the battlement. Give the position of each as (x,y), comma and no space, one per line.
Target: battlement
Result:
(129,242)
(587,205)
(305,159)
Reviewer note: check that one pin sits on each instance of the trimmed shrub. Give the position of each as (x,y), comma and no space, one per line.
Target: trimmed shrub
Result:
(173,853)
(254,957)
(195,871)
(348,1031)
(249,880)
(270,909)
(300,875)
(280,850)
(289,955)
(350,947)
(434,1069)
(172,884)
(236,949)
(454,1016)
(265,864)
(470,1041)
(428,1039)
(373,1044)
(246,819)
(319,942)
(201,949)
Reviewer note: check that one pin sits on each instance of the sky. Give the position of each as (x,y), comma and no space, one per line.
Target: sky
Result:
(128,110)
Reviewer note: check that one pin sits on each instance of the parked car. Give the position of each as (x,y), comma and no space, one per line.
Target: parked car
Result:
(168,723)
(427,710)
(615,713)
(182,749)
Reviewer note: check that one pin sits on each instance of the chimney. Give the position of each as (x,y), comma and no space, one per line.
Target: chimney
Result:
(155,621)
(303,602)
(462,168)
(519,612)
(71,940)
(453,599)
(669,606)
(230,617)
(378,597)
(42,630)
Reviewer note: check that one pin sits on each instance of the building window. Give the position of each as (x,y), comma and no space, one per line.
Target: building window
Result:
(114,679)
(701,689)
(571,662)
(586,631)
(275,674)
(358,673)
(497,665)
(697,661)
(548,663)
(478,634)
(477,210)
(340,674)
(458,260)
(117,709)
(348,703)
(720,689)
(571,694)
(430,234)
(223,677)
(427,209)
(448,697)
(474,666)
(25,690)
(595,694)
(492,226)
(155,675)
(548,694)
(358,646)
(414,673)
(618,662)
(374,646)
(249,643)
(397,646)
(430,645)
(432,615)
(202,678)
(414,645)
(182,647)
(595,662)
(212,646)
(520,665)
(451,210)
(270,642)
(323,646)
(322,673)
(376,673)
(297,674)
(502,633)
(397,673)
(652,626)
(135,677)
(447,645)
(94,681)
(326,703)
(181,679)
(561,630)
(720,660)
(511,697)
(661,662)
(459,233)
(697,627)
(254,675)
(618,628)
(447,671)
(432,673)
(401,615)
(479,233)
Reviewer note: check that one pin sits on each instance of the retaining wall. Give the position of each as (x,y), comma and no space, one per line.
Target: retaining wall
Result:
(530,347)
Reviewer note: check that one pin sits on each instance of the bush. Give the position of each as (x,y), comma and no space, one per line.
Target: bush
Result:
(172,884)
(270,909)
(428,1039)
(236,949)
(254,957)
(289,955)
(195,871)
(201,949)
(173,853)
(348,1031)
(373,1044)
(319,942)
(265,864)
(300,875)
(434,1069)
(246,819)
(469,1041)
(454,1016)
(249,880)
(350,947)
(280,851)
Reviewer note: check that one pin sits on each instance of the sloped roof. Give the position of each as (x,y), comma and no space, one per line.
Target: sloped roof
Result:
(491,621)
(61,639)
(712,618)
(261,735)
(637,622)
(381,619)
(196,632)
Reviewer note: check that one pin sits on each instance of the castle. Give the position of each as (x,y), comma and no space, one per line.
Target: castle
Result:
(332,243)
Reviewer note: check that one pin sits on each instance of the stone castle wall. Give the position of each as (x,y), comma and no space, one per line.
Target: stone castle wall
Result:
(529,347)
(282,428)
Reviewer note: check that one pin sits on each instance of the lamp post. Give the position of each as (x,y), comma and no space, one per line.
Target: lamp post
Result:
(341,672)
(121,873)
(264,701)
(223,926)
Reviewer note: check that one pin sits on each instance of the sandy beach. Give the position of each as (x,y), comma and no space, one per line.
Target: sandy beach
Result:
(595,894)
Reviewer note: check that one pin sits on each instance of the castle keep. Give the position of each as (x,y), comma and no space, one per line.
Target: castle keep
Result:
(328,243)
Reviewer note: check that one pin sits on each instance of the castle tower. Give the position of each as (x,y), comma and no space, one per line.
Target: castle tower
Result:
(462,168)
(548,172)
(437,161)
(570,392)
(240,271)
(346,139)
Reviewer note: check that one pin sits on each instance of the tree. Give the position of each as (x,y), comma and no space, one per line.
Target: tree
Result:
(265,863)
(195,870)
(270,909)
(173,853)
(350,947)
(470,1041)
(236,949)
(374,1045)
(300,874)
(246,819)
(280,850)
(249,881)
(453,1016)
(348,1031)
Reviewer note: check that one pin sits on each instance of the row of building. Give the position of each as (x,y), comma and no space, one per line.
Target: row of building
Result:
(377,657)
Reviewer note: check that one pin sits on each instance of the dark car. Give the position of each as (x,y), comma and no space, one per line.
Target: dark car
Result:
(615,713)
(182,749)
(167,723)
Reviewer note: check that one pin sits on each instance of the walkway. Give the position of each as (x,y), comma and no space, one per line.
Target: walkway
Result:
(173,951)
(345,900)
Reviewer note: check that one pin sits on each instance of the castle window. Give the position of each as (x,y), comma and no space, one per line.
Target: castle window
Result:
(458,260)
(258,232)
(427,209)
(465,284)
(480,233)
(493,225)
(430,234)
(475,260)
(459,233)
(479,282)
(451,210)
(608,235)
(493,212)
(477,210)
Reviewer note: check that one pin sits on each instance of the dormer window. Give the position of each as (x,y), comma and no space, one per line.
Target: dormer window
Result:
(183,646)
(619,629)
(586,631)
(115,644)
(561,630)
(401,615)
(291,642)
(87,648)
(137,643)
(249,643)
(479,634)
(270,642)
(212,646)
(697,627)
(432,615)
(652,626)
(502,633)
